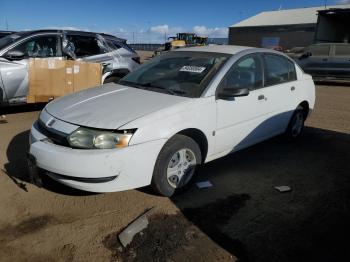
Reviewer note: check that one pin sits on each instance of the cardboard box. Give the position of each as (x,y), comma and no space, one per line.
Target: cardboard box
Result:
(50,78)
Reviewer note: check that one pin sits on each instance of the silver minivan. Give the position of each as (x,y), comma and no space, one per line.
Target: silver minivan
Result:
(116,57)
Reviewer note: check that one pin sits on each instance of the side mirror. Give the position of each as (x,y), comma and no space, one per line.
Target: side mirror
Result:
(14,55)
(305,55)
(231,93)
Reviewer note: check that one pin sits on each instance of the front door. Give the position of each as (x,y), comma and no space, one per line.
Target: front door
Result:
(241,122)
(14,73)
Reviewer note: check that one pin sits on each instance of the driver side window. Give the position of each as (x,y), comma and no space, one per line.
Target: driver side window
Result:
(246,73)
(40,46)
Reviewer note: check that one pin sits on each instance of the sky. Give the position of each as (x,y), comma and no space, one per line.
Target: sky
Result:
(139,21)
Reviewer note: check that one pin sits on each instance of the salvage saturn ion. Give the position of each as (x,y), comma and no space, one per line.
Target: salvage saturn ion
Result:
(175,112)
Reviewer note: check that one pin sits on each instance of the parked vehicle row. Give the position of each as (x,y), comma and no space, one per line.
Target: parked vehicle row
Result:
(113,53)
(328,61)
(173,113)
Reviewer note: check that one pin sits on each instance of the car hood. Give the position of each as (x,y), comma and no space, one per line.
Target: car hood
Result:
(109,106)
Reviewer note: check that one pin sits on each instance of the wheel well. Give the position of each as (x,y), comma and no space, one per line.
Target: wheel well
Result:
(305,106)
(1,96)
(118,72)
(199,137)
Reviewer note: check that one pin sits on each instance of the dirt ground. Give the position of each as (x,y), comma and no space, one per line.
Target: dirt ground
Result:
(242,216)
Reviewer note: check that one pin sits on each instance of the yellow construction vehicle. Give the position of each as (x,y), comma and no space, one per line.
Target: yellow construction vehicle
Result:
(185,40)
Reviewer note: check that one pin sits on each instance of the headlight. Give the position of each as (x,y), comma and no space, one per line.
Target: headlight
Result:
(96,139)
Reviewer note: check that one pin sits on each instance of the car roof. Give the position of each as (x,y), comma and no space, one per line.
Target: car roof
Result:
(318,44)
(225,49)
(77,32)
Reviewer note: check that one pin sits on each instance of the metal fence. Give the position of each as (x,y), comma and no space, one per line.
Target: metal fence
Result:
(154,47)
(146,47)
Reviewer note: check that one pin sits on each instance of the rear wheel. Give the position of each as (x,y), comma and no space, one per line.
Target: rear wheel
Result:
(176,165)
(296,124)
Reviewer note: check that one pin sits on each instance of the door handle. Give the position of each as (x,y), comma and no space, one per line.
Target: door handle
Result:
(325,59)
(261,97)
(292,88)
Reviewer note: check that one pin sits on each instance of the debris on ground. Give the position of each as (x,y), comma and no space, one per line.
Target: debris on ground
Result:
(283,189)
(171,237)
(3,119)
(204,184)
(139,224)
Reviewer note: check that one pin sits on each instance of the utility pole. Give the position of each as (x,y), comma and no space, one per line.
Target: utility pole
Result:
(325,4)
(7,24)
(133,37)
(149,31)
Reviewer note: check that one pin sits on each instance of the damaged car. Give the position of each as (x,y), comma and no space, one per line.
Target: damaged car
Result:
(117,58)
(175,112)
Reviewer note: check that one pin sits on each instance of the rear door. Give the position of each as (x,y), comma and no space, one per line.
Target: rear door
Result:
(280,81)
(340,61)
(318,63)
(88,47)
(95,49)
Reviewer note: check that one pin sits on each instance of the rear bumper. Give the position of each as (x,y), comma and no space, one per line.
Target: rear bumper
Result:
(96,170)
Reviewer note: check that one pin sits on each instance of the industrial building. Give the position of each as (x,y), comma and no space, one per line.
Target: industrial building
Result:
(282,28)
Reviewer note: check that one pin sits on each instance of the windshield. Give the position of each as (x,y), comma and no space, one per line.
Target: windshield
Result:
(9,39)
(181,73)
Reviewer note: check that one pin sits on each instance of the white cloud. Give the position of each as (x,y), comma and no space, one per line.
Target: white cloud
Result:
(160,29)
(121,30)
(66,28)
(211,32)
(159,33)
(154,34)
(343,2)
(165,29)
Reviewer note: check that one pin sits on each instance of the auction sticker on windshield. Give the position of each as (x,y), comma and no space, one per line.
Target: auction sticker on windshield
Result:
(192,69)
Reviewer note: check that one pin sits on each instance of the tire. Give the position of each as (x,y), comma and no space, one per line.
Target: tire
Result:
(112,79)
(296,124)
(175,165)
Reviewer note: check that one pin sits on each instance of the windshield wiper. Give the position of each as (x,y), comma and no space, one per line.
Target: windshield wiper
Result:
(148,86)
(129,83)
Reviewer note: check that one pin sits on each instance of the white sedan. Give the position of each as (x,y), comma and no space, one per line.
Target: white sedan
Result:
(175,112)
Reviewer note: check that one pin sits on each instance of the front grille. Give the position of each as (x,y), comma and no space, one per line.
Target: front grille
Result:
(57,137)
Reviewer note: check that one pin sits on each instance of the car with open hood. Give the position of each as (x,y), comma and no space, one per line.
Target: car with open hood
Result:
(175,112)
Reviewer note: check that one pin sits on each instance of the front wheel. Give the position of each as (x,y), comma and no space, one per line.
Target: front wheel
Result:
(176,165)
(296,124)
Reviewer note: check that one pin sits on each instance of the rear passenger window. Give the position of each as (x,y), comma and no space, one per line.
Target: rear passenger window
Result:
(278,70)
(342,50)
(246,73)
(319,50)
(86,45)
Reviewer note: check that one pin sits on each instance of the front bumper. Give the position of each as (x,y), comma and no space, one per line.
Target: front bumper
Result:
(132,166)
